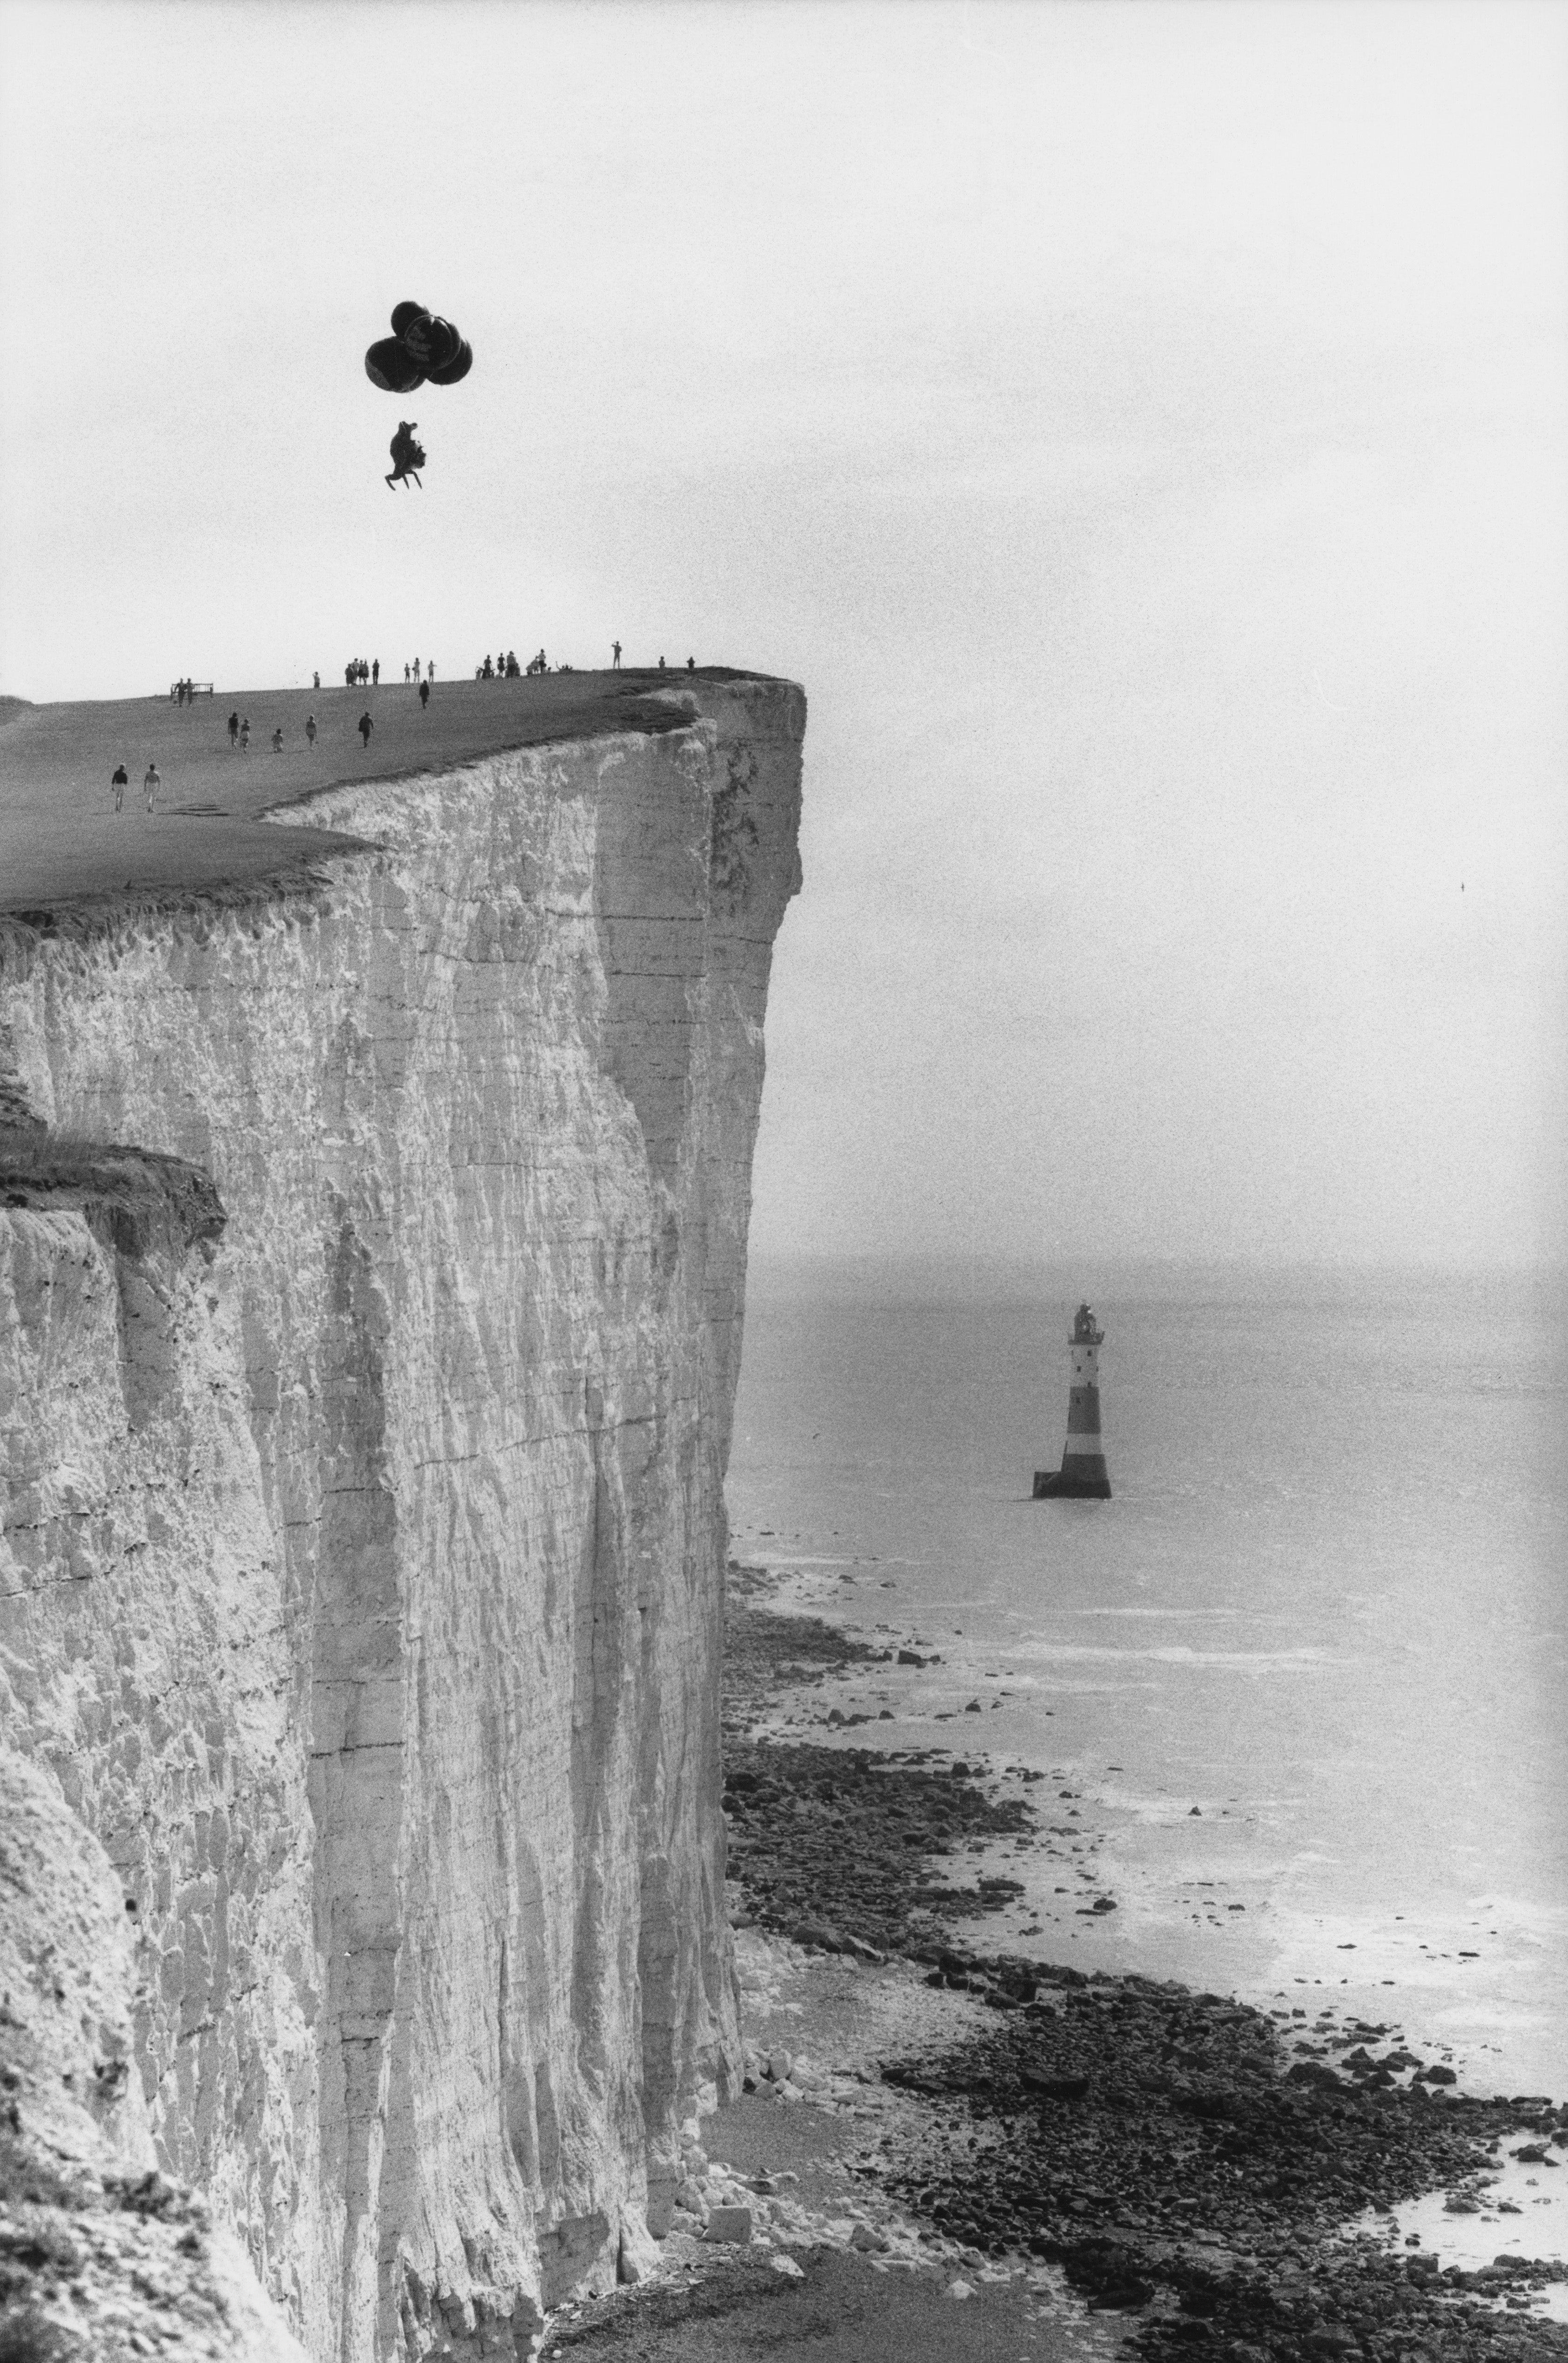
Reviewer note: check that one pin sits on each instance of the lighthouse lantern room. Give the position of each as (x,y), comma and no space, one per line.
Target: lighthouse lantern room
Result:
(1082,1475)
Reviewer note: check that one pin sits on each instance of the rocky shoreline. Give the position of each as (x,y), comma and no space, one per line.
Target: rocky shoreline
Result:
(1193,2165)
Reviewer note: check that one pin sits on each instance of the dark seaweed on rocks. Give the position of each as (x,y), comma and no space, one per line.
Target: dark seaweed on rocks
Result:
(842,1837)
(1146,2138)
(761,1646)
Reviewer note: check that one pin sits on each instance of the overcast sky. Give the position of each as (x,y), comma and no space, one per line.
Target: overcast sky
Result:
(1141,429)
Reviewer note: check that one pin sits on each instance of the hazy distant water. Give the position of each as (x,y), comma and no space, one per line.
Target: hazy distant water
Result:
(1326,1606)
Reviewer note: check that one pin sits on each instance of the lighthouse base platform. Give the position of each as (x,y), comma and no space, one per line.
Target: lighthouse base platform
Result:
(1055,1484)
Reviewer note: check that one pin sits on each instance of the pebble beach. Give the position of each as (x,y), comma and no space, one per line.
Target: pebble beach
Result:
(1028,2158)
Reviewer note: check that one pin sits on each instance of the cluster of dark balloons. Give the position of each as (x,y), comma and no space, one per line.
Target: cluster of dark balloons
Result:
(422,348)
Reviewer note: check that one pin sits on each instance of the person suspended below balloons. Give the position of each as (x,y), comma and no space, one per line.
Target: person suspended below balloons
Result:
(422,349)
(407,455)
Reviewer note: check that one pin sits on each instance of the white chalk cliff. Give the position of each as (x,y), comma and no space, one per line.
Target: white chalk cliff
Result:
(370,1318)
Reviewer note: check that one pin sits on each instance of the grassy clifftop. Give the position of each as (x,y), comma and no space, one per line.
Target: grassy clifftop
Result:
(62,844)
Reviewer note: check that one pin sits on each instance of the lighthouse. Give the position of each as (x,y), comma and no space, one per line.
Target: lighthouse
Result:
(1083,1476)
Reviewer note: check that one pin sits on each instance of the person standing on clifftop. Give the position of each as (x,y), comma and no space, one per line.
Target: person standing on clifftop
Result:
(365,726)
(614,656)
(316,680)
(119,783)
(151,783)
(375,672)
(234,726)
(430,669)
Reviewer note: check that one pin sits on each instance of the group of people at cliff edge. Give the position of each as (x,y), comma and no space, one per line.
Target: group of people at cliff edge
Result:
(365,672)
(506,668)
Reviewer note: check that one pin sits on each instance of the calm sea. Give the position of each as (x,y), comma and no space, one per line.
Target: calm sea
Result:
(1325,1607)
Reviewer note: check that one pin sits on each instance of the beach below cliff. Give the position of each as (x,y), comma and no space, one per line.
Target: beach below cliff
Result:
(946,2148)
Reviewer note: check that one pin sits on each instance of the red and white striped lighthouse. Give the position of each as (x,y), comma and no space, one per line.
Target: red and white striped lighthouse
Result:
(1082,1475)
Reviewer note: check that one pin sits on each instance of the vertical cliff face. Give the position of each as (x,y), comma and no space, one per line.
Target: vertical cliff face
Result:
(363,1449)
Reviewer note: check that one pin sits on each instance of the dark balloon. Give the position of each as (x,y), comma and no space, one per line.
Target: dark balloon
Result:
(389,365)
(457,368)
(404,314)
(441,341)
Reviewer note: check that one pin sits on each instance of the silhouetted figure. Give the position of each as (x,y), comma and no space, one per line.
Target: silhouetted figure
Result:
(405,675)
(233,726)
(310,729)
(365,726)
(347,676)
(119,783)
(429,669)
(424,693)
(151,783)
(660,664)
(245,735)
(614,656)
(316,680)
(487,672)
(375,672)
(277,742)
(691,664)
(416,668)
(407,455)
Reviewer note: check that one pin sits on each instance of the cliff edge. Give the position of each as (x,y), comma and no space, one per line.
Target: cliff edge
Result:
(371,1270)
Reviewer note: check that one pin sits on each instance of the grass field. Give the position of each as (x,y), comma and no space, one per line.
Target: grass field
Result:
(62,842)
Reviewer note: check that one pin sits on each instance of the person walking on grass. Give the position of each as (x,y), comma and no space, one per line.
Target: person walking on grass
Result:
(119,783)
(277,742)
(245,735)
(151,783)
(233,728)
(424,693)
(310,729)
(365,726)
